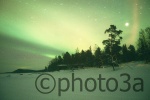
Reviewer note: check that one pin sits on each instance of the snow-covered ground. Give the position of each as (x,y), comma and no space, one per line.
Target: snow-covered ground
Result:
(22,86)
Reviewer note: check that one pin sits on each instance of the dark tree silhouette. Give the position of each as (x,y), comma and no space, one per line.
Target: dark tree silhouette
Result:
(89,57)
(112,44)
(53,65)
(144,44)
(109,55)
(98,57)
(132,53)
(83,57)
(125,53)
(67,58)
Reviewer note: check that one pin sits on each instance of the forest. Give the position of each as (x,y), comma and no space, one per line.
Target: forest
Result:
(113,53)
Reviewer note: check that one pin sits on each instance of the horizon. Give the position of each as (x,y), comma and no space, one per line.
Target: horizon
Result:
(33,32)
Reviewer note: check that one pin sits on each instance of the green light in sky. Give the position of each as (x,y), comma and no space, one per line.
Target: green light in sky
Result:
(64,25)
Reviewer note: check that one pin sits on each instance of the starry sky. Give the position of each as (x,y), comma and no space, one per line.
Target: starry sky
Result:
(32,32)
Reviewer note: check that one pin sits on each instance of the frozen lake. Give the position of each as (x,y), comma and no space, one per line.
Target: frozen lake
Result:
(96,84)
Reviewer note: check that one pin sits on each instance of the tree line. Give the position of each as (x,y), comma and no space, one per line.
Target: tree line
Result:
(112,52)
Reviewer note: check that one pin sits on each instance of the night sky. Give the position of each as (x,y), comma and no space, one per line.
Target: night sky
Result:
(34,31)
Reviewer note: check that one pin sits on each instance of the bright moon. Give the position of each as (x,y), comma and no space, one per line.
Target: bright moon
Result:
(127,24)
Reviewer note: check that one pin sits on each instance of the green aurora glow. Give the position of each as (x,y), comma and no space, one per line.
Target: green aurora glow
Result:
(34,31)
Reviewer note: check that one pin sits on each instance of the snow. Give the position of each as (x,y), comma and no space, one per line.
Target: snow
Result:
(22,86)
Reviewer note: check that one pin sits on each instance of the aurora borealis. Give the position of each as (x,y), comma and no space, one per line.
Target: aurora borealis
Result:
(34,31)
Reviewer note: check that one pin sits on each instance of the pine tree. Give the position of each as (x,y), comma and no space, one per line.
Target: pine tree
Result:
(98,55)
(125,53)
(89,57)
(67,58)
(112,44)
(132,53)
(144,44)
